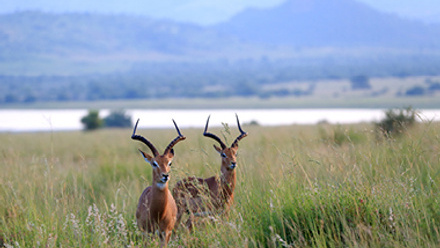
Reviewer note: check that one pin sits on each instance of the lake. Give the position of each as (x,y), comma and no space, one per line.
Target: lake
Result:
(69,120)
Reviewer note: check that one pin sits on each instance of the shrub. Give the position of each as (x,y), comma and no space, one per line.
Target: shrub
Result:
(396,121)
(92,121)
(118,118)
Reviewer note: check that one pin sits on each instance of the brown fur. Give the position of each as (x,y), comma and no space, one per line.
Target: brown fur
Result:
(213,195)
(157,210)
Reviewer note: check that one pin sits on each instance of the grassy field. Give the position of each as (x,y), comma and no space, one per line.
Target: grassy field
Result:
(298,186)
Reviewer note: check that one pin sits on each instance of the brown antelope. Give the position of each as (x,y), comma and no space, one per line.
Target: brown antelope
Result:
(157,210)
(199,196)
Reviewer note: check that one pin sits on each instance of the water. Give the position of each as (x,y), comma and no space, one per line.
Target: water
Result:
(61,120)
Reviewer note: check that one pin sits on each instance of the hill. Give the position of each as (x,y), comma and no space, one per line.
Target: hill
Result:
(340,23)
(274,32)
(77,35)
(83,56)
(208,12)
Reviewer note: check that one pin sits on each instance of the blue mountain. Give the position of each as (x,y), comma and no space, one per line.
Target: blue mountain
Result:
(341,23)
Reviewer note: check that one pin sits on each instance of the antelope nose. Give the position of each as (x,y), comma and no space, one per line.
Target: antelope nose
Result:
(165,177)
(233,165)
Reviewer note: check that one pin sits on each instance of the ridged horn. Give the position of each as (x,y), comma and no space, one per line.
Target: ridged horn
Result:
(144,140)
(213,136)
(179,138)
(242,133)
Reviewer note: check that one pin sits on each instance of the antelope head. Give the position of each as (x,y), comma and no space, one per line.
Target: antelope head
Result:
(228,154)
(161,164)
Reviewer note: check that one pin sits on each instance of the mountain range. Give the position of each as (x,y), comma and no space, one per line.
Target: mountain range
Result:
(33,42)
(204,12)
(338,23)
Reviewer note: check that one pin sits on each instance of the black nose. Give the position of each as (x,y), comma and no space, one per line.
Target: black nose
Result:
(165,176)
(233,165)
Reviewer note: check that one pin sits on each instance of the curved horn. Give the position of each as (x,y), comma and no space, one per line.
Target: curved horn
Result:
(179,138)
(144,140)
(242,134)
(210,135)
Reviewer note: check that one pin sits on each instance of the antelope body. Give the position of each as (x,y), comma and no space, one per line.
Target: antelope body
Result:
(212,195)
(157,210)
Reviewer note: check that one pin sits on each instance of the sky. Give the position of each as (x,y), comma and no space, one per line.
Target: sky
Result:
(205,12)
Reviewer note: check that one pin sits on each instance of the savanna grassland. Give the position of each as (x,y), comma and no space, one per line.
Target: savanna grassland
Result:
(297,186)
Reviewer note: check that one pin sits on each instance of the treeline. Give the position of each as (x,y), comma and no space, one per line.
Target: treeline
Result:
(209,80)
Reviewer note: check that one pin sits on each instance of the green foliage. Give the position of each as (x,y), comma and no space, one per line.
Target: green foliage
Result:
(118,118)
(397,121)
(92,120)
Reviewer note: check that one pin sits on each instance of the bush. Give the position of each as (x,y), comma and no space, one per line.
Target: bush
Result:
(118,118)
(92,121)
(396,121)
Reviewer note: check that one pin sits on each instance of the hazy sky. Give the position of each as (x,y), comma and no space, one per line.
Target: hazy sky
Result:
(204,11)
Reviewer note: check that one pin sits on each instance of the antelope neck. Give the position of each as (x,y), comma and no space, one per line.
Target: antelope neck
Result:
(159,198)
(228,183)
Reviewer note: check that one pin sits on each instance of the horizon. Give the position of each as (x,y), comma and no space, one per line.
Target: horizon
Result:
(208,13)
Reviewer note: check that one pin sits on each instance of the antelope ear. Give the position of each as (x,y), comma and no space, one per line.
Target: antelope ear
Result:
(218,149)
(147,157)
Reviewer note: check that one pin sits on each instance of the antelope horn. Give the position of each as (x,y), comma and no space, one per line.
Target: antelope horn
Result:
(242,134)
(213,136)
(144,140)
(179,138)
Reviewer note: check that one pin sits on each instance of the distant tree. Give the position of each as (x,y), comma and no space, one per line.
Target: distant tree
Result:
(118,118)
(30,98)
(360,82)
(92,121)
(434,86)
(62,96)
(415,91)
(245,89)
(11,98)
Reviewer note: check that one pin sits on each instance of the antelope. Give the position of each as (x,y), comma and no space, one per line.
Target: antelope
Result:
(157,210)
(213,195)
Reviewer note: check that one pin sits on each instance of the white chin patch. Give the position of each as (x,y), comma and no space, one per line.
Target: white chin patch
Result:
(161,185)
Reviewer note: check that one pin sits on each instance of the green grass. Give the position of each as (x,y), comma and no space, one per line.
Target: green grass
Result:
(298,186)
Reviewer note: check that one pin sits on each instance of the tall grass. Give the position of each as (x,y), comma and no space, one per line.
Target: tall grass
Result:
(297,186)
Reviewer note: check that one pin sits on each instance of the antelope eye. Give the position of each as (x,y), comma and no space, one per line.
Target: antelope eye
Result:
(155,164)
(170,163)
(223,155)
